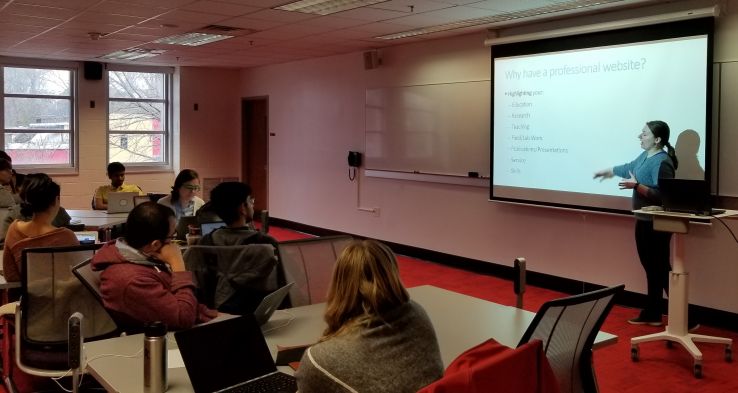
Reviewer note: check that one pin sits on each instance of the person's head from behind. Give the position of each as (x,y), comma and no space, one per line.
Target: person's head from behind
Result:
(149,227)
(6,156)
(232,201)
(39,194)
(186,185)
(116,174)
(365,284)
(6,172)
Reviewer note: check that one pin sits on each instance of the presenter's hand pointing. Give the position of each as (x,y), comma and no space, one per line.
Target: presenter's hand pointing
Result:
(603,174)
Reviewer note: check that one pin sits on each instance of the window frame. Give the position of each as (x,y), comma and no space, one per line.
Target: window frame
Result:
(167,132)
(71,167)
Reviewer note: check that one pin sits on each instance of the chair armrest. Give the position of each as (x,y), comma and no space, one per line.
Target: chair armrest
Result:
(8,308)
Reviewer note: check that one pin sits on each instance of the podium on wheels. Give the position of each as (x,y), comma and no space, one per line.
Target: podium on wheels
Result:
(676,327)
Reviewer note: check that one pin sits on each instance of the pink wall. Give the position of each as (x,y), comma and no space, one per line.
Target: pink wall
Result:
(317,113)
(208,139)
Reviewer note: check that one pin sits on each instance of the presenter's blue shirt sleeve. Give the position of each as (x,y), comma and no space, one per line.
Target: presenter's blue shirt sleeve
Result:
(625,169)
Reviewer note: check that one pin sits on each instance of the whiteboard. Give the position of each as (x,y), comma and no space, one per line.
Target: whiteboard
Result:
(429,129)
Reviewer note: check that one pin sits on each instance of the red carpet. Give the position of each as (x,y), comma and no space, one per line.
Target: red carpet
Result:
(660,369)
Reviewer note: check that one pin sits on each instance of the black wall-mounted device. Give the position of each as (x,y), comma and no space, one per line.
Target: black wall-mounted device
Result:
(354,159)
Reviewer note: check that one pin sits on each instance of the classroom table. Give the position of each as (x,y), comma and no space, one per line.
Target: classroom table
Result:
(460,321)
(97,219)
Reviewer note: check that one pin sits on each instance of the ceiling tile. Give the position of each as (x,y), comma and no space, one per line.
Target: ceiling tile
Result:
(410,7)
(508,5)
(220,8)
(446,15)
(122,8)
(28,20)
(178,16)
(259,3)
(333,22)
(370,14)
(249,23)
(40,11)
(68,4)
(160,3)
(382,27)
(281,16)
(111,19)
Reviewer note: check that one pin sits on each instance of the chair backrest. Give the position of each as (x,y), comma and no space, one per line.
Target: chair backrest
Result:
(309,264)
(51,293)
(89,278)
(568,328)
(233,279)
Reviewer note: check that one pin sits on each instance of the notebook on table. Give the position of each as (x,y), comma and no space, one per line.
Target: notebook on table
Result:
(231,356)
(121,202)
(687,196)
(270,303)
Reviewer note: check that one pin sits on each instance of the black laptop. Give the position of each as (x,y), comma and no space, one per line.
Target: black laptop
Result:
(231,356)
(687,196)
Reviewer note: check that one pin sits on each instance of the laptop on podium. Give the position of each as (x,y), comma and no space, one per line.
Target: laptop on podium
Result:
(231,356)
(687,196)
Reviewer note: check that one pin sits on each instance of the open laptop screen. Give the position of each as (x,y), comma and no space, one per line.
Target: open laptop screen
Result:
(225,353)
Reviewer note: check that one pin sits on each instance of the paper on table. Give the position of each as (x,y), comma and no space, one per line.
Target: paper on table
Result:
(174,359)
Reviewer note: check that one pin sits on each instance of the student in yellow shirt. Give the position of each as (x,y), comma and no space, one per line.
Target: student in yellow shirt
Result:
(117,176)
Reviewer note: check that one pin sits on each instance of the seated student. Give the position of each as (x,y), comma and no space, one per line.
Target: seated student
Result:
(62,218)
(377,339)
(183,199)
(143,275)
(233,203)
(117,176)
(40,200)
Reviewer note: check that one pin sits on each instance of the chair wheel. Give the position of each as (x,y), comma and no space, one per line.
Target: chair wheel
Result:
(728,353)
(634,353)
(698,370)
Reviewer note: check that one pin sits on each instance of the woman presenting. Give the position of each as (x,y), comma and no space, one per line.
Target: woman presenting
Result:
(642,176)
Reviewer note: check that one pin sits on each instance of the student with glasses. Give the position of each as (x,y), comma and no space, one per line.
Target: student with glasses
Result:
(234,204)
(143,276)
(183,199)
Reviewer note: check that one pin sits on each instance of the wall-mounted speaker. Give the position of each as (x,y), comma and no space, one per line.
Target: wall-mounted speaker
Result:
(372,59)
(93,70)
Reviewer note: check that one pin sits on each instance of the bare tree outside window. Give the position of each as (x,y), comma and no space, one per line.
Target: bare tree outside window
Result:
(37,104)
(138,117)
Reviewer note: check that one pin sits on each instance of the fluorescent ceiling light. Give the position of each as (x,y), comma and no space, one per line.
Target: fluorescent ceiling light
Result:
(192,39)
(325,7)
(503,17)
(133,54)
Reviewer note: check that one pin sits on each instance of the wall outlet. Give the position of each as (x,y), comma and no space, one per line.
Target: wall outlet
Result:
(375,212)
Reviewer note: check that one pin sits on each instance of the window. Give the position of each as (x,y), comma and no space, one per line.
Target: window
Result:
(38,115)
(139,117)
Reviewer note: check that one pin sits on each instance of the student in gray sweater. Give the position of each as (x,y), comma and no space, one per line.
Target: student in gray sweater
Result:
(642,176)
(377,339)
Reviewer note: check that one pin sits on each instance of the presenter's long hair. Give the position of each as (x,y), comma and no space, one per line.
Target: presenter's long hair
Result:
(366,284)
(660,129)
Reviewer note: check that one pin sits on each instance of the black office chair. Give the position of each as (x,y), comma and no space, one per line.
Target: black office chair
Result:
(568,328)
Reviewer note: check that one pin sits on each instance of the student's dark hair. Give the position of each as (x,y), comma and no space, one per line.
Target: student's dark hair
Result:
(183,177)
(6,156)
(147,222)
(115,167)
(5,164)
(660,129)
(227,199)
(38,193)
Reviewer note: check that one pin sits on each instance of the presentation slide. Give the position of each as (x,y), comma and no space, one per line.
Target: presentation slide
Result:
(560,117)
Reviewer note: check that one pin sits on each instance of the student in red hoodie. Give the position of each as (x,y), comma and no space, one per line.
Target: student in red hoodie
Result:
(143,275)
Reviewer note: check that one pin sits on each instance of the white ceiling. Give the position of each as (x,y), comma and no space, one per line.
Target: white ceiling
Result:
(60,29)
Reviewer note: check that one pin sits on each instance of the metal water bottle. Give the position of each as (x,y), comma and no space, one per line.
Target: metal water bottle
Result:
(155,358)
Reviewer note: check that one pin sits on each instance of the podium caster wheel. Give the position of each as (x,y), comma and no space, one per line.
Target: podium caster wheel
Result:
(698,371)
(728,353)
(634,353)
